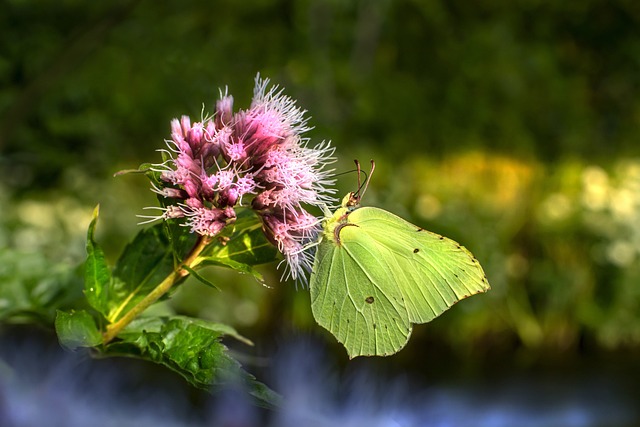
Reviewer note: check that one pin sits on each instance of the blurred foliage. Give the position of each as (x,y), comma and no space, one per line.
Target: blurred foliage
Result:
(32,288)
(560,244)
(511,127)
(94,84)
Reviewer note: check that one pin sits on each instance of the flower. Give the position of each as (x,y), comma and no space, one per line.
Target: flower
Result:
(254,158)
(292,231)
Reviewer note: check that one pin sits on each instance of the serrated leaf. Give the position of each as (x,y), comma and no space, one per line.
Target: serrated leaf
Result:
(155,324)
(192,348)
(77,329)
(97,276)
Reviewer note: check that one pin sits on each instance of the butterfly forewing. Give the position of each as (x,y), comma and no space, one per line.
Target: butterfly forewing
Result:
(433,272)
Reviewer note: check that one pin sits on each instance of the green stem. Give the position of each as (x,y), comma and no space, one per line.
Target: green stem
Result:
(115,328)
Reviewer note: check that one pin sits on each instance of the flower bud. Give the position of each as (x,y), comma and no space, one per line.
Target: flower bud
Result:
(224,110)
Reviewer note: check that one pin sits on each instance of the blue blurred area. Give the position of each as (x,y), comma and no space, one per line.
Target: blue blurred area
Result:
(42,386)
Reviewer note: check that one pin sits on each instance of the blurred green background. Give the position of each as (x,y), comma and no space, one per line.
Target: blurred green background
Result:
(511,127)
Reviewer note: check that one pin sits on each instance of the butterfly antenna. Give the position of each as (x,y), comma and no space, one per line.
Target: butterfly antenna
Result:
(359,187)
(354,197)
(363,189)
(336,174)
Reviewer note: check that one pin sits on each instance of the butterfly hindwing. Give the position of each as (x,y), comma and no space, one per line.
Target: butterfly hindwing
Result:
(347,300)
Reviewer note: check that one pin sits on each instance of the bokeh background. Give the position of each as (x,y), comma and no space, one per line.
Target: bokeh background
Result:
(512,127)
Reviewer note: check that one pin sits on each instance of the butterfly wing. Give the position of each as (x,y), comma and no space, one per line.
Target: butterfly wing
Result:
(347,300)
(380,274)
(432,271)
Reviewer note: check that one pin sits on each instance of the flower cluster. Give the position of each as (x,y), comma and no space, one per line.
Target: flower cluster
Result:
(255,158)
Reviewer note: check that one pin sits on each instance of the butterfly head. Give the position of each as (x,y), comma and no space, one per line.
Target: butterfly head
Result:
(351,200)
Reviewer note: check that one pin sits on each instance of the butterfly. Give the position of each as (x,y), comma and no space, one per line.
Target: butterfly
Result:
(376,274)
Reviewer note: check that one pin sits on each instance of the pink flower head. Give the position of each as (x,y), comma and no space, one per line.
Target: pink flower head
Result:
(293,232)
(255,156)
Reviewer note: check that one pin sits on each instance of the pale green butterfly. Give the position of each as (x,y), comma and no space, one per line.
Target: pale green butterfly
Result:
(375,275)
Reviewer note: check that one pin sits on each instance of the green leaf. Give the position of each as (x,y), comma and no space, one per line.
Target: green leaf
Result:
(200,278)
(247,246)
(192,348)
(77,329)
(142,266)
(144,168)
(144,263)
(97,275)
(156,323)
(180,239)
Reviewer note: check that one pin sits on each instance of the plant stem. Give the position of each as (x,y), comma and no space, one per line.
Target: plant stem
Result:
(115,328)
